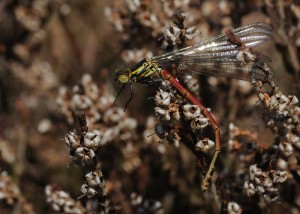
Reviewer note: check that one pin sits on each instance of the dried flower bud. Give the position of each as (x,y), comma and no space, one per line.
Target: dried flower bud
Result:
(191,32)
(91,140)
(88,191)
(269,198)
(136,199)
(72,140)
(162,98)
(172,34)
(83,154)
(293,99)
(113,115)
(95,179)
(234,208)
(282,164)
(81,102)
(261,189)
(162,113)
(279,176)
(61,201)
(205,145)
(191,111)
(250,188)
(286,148)
(199,123)
(254,171)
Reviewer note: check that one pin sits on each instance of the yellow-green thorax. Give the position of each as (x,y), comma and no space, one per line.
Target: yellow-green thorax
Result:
(140,73)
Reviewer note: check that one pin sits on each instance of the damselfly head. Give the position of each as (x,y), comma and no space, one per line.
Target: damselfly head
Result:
(121,76)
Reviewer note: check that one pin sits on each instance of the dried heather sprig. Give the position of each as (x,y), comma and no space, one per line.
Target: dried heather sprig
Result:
(141,205)
(108,121)
(264,183)
(94,183)
(234,208)
(61,201)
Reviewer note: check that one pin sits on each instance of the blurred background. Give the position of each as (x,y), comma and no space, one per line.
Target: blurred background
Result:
(49,47)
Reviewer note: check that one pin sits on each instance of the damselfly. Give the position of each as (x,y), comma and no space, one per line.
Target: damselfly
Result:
(229,54)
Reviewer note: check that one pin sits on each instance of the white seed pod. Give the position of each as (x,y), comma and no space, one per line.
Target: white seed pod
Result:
(84,154)
(267,182)
(93,116)
(136,199)
(286,148)
(79,152)
(249,188)
(88,191)
(92,140)
(282,164)
(191,111)
(191,83)
(254,171)
(109,134)
(128,123)
(90,154)
(81,102)
(273,101)
(86,79)
(234,208)
(245,56)
(271,123)
(113,115)
(92,91)
(283,99)
(205,145)
(62,194)
(162,113)
(72,140)
(279,176)
(260,189)
(272,189)
(176,143)
(269,199)
(295,140)
(176,140)
(257,180)
(233,129)
(172,33)
(94,179)
(297,143)
(293,99)
(104,103)
(191,32)
(281,108)
(152,206)
(265,99)
(199,123)
(162,98)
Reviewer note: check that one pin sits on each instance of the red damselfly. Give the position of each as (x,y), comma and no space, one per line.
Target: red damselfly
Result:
(229,54)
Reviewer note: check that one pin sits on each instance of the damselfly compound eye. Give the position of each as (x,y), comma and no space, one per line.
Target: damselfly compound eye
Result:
(123,79)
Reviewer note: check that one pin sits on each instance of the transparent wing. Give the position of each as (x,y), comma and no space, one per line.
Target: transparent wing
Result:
(218,56)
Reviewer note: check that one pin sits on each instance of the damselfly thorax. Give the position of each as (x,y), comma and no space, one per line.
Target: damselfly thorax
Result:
(140,73)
